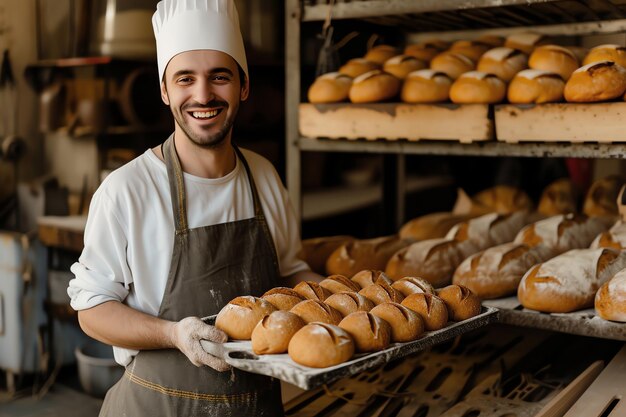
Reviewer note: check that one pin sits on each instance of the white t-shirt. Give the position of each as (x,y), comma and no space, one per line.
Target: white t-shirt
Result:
(129,235)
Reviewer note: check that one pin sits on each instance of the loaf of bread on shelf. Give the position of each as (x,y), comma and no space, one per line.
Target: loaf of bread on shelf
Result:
(332,87)
(497,271)
(339,283)
(332,345)
(358,66)
(426,86)
(370,333)
(381,293)
(283,298)
(369,277)
(462,303)
(381,53)
(313,310)
(349,302)
(239,317)
(569,282)
(525,42)
(430,308)
(607,52)
(311,290)
(614,238)
(406,325)
(503,62)
(401,65)
(359,255)
(610,299)
(431,226)
(475,87)
(501,199)
(452,63)
(559,197)
(471,49)
(425,51)
(374,86)
(412,285)
(554,58)
(535,86)
(492,40)
(315,251)
(601,198)
(598,81)
(273,333)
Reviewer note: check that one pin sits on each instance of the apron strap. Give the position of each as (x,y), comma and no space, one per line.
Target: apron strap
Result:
(177,185)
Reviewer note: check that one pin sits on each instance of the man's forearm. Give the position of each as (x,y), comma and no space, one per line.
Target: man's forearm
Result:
(119,325)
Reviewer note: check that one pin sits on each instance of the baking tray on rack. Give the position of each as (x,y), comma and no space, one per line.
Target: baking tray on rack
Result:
(583,322)
(239,354)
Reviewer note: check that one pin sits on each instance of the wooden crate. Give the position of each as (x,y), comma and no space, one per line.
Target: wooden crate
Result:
(561,122)
(392,121)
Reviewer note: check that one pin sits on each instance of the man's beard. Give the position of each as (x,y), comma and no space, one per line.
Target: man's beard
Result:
(211,141)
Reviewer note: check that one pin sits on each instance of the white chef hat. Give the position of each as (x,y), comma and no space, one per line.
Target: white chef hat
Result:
(187,25)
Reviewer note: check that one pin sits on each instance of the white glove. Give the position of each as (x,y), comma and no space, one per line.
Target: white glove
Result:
(187,334)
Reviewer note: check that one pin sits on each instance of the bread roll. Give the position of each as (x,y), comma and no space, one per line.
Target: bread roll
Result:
(319,345)
(430,308)
(381,53)
(613,53)
(358,66)
(426,86)
(315,252)
(339,283)
(406,324)
(370,333)
(401,65)
(369,277)
(609,300)
(461,302)
(282,298)
(353,257)
(601,198)
(569,282)
(431,226)
(314,310)
(273,333)
(477,87)
(374,86)
(452,63)
(492,40)
(424,51)
(503,199)
(525,42)
(558,198)
(503,62)
(330,88)
(382,293)
(535,86)
(349,302)
(412,285)
(555,59)
(311,290)
(614,238)
(239,317)
(471,49)
(595,82)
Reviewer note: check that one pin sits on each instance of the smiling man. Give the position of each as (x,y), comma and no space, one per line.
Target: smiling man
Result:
(181,230)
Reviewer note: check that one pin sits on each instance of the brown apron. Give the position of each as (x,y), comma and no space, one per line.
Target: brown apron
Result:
(210,266)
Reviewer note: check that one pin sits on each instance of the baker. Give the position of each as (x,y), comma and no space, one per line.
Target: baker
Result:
(184,228)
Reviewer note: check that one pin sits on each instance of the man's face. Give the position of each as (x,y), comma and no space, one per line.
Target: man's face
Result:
(203,90)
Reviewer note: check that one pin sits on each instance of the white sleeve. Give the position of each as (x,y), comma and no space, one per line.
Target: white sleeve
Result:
(289,231)
(101,273)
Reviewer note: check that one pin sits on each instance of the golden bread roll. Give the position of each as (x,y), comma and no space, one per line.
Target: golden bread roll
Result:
(358,66)
(554,58)
(614,238)
(461,302)
(374,86)
(525,42)
(406,324)
(339,283)
(503,199)
(369,277)
(579,52)
(452,63)
(401,65)
(535,86)
(239,317)
(426,86)
(609,301)
(570,281)
(471,49)
(424,51)
(349,302)
(430,308)
(370,333)
(333,87)
(412,285)
(601,198)
(503,62)
(477,87)
(315,251)
(381,53)
(273,333)
(282,298)
(613,53)
(492,40)
(353,257)
(599,81)
(431,226)
(314,310)
(559,197)
(331,345)
(311,290)
(382,293)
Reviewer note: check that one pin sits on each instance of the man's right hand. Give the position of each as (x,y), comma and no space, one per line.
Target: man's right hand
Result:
(186,336)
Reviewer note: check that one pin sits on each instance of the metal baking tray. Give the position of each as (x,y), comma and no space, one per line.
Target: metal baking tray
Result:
(239,354)
(583,322)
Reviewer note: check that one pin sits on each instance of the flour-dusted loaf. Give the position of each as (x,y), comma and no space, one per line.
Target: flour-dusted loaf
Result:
(239,317)
(600,81)
(425,51)
(406,325)
(452,63)
(503,62)
(412,285)
(314,310)
(497,271)
(559,197)
(332,87)
(431,226)
(614,238)
(569,282)
(283,298)
(381,53)
(273,333)
(475,87)
(320,345)
(610,301)
(430,308)
(462,303)
(358,66)
(315,251)
(402,65)
(369,277)
(525,42)
(311,290)
(426,86)
(554,58)
(369,332)
(535,86)
(471,49)
(349,302)
(607,52)
(382,293)
(339,283)
(374,86)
